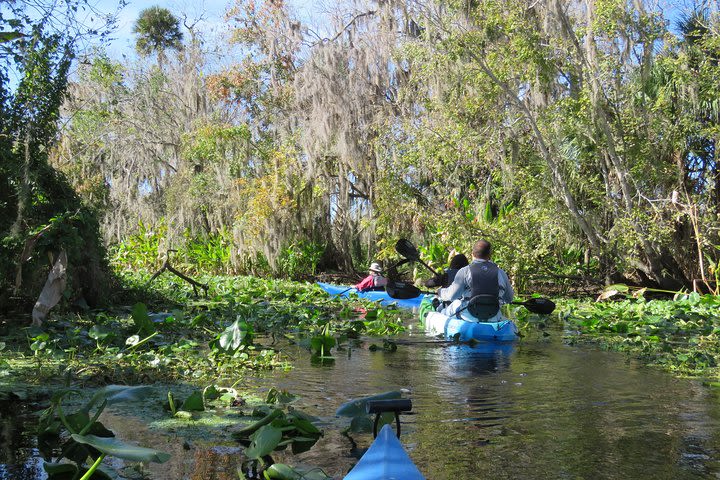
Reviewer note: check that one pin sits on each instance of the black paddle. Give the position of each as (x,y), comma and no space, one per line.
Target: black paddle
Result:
(541,306)
(403,290)
(405,248)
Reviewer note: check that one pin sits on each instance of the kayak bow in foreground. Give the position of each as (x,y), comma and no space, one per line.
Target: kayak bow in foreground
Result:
(386,459)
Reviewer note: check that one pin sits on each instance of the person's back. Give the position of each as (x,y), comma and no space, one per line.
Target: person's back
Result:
(483,280)
(374,280)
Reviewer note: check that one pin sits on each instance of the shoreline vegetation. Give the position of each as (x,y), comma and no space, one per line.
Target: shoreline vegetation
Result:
(178,335)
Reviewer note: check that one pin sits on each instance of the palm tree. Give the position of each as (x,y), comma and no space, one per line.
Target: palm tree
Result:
(157,30)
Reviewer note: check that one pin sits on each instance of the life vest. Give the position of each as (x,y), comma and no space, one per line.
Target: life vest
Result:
(485,293)
(371,282)
(450,272)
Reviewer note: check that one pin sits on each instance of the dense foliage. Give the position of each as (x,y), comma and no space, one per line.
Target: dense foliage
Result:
(680,336)
(41,215)
(578,136)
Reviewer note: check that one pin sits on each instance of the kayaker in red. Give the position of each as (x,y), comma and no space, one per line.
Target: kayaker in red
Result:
(374,281)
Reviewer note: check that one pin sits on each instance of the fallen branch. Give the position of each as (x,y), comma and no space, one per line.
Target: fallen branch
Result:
(166,266)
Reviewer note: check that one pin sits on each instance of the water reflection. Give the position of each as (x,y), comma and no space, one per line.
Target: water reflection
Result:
(531,410)
(18,459)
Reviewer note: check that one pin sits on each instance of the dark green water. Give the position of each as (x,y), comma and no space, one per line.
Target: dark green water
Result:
(540,409)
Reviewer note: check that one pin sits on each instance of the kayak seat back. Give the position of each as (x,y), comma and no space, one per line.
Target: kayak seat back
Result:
(483,307)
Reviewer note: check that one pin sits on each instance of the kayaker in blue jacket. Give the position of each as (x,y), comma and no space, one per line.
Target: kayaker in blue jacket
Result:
(481,277)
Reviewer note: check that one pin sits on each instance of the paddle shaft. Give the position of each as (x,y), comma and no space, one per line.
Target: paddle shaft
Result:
(427,266)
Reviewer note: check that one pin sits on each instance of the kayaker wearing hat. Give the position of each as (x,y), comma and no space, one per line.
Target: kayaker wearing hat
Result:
(374,281)
(481,278)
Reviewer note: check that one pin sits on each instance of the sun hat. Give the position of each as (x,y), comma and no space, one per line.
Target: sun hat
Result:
(375,267)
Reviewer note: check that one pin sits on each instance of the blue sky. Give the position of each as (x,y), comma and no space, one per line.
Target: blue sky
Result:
(211,11)
(310,12)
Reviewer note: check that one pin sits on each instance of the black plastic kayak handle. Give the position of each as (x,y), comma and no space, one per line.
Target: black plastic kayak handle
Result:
(378,407)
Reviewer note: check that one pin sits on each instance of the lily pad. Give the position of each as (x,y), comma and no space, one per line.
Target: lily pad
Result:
(280,396)
(142,320)
(100,332)
(280,471)
(237,334)
(116,448)
(264,441)
(194,403)
(119,394)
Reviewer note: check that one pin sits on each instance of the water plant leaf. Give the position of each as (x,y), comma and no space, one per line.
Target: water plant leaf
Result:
(322,345)
(639,293)
(264,441)
(620,287)
(69,471)
(303,426)
(142,320)
(40,341)
(303,415)
(119,394)
(116,448)
(607,294)
(356,407)
(78,420)
(247,431)
(55,470)
(279,396)
(194,403)
(239,333)
(361,424)
(280,471)
(213,392)
(100,332)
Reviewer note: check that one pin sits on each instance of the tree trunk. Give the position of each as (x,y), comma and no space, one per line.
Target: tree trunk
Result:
(24,193)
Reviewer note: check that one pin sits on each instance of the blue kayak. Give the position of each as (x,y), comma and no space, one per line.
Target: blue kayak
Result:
(386,459)
(467,327)
(381,296)
(502,331)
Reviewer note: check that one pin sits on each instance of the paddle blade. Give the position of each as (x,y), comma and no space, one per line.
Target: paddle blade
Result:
(543,306)
(402,290)
(405,248)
